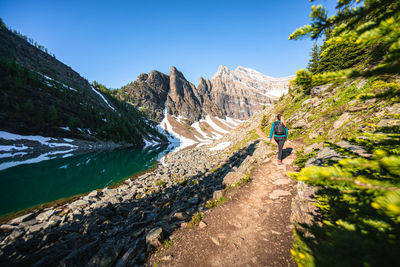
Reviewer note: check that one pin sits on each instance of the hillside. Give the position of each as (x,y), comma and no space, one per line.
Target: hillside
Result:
(42,96)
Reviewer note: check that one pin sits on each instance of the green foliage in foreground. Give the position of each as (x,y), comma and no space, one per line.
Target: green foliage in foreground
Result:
(302,158)
(363,33)
(359,209)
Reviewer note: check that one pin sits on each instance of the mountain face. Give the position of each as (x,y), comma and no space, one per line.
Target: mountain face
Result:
(236,94)
(42,96)
(207,111)
(148,93)
(243,92)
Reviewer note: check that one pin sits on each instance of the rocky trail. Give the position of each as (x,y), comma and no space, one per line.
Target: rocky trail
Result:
(251,229)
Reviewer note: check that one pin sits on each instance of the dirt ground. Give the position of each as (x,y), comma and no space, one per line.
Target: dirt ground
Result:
(251,229)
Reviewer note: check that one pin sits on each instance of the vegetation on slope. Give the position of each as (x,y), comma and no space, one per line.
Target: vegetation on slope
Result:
(40,96)
(350,92)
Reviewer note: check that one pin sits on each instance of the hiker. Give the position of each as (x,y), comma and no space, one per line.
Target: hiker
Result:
(280,131)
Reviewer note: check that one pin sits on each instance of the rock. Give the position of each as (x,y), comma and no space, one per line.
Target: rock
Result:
(341,120)
(194,200)
(94,193)
(17,233)
(108,253)
(361,83)
(154,237)
(180,216)
(44,215)
(395,109)
(37,227)
(78,204)
(354,148)
(8,227)
(218,194)
(310,148)
(301,124)
(388,122)
(232,178)
(356,109)
(229,90)
(323,155)
(303,204)
(28,223)
(167,258)
(278,193)
(215,241)
(317,90)
(21,219)
(313,134)
(202,225)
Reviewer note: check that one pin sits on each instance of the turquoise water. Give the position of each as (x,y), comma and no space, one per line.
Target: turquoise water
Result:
(28,185)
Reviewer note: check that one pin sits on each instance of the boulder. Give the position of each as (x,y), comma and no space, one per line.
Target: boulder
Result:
(154,237)
(218,194)
(317,90)
(44,215)
(21,219)
(341,120)
(354,148)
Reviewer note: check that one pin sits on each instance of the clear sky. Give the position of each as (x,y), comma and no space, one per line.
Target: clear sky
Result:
(112,42)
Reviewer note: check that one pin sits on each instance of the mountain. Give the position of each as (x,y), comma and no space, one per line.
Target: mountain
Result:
(243,92)
(40,95)
(208,111)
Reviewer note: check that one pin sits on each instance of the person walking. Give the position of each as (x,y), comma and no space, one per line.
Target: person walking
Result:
(280,133)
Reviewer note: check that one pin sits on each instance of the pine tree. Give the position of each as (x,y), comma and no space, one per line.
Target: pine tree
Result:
(373,26)
(313,64)
(53,115)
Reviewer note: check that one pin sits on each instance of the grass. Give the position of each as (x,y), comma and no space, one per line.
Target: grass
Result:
(252,135)
(168,243)
(161,183)
(215,202)
(196,219)
(302,158)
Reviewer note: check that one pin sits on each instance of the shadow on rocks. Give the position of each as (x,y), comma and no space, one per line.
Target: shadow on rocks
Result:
(117,233)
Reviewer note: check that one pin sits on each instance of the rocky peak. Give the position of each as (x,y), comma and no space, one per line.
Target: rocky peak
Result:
(243,92)
(182,99)
(143,77)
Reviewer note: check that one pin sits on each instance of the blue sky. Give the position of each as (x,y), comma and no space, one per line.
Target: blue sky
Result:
(112,42)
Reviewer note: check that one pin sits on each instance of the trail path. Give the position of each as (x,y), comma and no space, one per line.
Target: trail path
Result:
(251,229)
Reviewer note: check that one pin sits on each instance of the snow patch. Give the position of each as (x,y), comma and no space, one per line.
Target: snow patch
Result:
(47,141)
(11,148)
(102,97)
(215,126)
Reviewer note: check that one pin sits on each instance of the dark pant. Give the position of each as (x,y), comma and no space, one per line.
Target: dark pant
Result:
(281,142)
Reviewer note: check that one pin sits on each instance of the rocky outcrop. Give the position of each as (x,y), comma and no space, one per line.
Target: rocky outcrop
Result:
(148,93)
(182,100)
(204,95)
(243,92)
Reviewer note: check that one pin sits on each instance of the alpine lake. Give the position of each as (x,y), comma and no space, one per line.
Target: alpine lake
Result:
(29,185)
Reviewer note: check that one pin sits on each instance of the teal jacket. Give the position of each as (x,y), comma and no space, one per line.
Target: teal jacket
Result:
(277,135)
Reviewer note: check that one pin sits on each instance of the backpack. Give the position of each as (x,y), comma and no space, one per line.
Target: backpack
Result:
(279,128)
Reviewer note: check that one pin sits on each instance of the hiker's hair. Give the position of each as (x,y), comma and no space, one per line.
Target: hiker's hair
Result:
(281,118)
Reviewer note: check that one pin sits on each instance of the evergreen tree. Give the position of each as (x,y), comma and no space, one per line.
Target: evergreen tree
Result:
(53,115)
(313,64)
(28,107)
(373,26)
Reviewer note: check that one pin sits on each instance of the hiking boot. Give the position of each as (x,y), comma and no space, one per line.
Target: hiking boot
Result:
(279,162)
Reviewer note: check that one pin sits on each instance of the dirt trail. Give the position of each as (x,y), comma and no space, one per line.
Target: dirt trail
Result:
(251,229)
